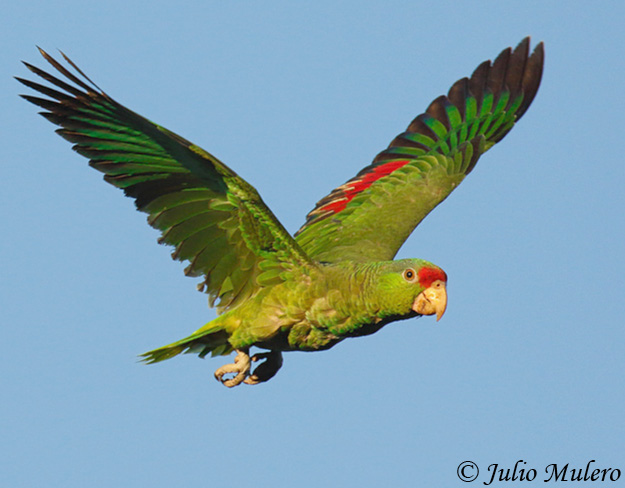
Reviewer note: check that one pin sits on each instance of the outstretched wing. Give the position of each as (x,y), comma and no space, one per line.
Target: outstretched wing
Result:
(370,216)
(216,221)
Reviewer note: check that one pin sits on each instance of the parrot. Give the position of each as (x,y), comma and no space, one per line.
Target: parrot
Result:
(336,277)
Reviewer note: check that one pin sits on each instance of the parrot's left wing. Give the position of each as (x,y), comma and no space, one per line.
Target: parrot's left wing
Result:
(216,220)
(369,217)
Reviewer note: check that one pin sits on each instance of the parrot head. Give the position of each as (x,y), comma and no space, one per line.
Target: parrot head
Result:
(413,285)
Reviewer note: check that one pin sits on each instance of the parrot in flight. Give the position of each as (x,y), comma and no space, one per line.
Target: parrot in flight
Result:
(335,277)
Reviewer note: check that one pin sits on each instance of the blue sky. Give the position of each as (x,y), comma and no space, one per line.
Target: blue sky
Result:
(527,362)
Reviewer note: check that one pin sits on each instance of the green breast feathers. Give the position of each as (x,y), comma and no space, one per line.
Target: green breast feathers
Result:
(335,278)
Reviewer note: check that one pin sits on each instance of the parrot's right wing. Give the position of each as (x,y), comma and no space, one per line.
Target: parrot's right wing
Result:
(369,217)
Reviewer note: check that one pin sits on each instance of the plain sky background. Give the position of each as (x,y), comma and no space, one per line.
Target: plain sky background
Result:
(527,363)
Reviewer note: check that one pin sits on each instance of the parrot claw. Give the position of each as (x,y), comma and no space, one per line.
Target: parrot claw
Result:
(241,367)
(265,370)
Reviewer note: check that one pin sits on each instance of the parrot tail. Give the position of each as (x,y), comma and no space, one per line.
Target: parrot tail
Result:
(202,342)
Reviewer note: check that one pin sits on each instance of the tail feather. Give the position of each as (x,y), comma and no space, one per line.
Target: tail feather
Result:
(202,342)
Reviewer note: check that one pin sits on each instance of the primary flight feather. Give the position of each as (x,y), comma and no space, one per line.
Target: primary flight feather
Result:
(335,278)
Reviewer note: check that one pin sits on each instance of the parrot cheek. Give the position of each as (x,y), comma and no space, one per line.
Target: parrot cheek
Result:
(432,300)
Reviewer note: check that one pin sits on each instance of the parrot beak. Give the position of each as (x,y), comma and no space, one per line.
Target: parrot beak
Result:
(432,300)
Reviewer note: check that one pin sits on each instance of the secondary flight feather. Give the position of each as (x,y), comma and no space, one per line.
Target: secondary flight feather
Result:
(336,277)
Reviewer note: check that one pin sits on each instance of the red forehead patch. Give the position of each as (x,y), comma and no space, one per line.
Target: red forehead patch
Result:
(427,276)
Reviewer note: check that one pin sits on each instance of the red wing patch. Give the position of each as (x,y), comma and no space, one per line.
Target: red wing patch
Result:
(339,198)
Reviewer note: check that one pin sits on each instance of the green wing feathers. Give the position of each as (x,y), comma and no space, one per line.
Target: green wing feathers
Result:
(370,216)
(216,221)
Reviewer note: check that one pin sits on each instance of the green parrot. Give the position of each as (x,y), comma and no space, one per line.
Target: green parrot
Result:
(335,278)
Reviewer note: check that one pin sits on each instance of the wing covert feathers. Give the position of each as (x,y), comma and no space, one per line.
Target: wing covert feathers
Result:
(370,216)
(216,221)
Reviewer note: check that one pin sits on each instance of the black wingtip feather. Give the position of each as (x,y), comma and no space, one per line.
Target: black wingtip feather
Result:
(54,80)
(458,94)
(40,102)
(532,77)
(438,111)
(516,66)
(81,72)
(497,73)
(478,79)
(418,125)
(65,72)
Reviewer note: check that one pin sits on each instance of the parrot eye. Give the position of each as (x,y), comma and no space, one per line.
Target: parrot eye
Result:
(410,275)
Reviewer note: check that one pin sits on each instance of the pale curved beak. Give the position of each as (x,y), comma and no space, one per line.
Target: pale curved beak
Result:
(432,300)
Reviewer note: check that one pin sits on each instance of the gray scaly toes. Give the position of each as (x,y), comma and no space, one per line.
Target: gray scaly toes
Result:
(241,368)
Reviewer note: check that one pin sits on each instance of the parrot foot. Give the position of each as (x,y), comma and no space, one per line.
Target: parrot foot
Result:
(265,370)
(241,368)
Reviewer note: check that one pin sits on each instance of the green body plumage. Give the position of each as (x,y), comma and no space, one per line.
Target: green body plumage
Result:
(309,312)
(336,278)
